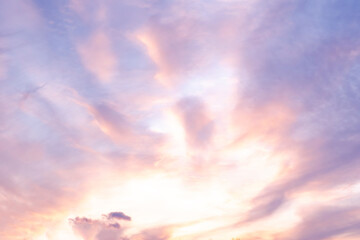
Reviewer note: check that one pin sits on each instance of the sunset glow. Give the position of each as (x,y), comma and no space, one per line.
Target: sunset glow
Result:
(179,120)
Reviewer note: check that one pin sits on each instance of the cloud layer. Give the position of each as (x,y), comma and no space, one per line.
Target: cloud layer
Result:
(199,119)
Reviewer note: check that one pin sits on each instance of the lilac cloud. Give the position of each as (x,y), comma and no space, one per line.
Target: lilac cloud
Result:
(326,222)
(119,215)
(303,56)
(196,121)
(90,229)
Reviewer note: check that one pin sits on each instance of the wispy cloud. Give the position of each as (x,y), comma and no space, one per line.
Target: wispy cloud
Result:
(97,56)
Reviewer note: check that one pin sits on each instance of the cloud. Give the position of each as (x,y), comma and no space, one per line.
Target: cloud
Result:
(326,222)
(305,67)
(106,228)
(175,44)
(111,122)
(118,215)
(196,121)
(97,56)
(157,233)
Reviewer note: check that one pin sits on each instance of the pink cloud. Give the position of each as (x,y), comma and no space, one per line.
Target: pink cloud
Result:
(175,47)
(97,56)
(196,121)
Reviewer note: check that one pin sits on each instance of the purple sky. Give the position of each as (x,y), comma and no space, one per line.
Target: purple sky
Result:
(179,119)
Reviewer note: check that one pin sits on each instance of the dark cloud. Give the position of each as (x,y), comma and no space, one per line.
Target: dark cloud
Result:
(118,215)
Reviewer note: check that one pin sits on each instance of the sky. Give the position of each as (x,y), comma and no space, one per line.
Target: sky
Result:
(179,119)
